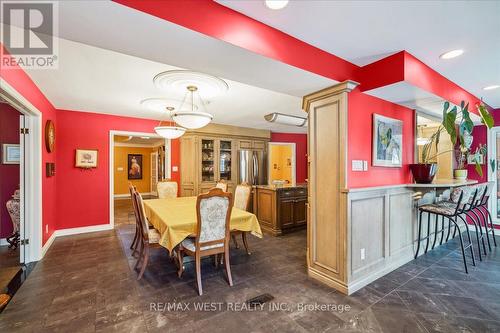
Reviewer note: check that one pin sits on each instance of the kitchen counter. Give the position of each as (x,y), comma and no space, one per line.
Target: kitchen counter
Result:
(280,209)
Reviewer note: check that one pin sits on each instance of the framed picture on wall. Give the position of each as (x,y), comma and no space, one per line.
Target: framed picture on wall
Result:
(134,166)
(11,153)
(86,158)
(387,141)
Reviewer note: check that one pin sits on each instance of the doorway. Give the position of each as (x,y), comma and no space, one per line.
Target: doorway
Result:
(20,188)
(142,159)
(281,163)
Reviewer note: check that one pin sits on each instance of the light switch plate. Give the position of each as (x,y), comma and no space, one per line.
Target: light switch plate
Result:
(175,168)
(365,165)
(119,169)
(363,255)
(357,165)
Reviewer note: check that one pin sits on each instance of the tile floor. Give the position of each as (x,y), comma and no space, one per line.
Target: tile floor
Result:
(86,284)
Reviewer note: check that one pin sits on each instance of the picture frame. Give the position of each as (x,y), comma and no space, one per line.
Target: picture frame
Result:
(387,150)
(86,158)
(134,166)
(11,153)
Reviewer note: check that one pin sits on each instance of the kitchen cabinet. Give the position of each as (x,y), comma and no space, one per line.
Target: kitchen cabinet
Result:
(280,210)
(208,157)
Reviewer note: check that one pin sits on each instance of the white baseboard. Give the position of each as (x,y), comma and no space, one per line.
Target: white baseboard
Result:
(82,230)
(73,231)
(3,242)
(48,244)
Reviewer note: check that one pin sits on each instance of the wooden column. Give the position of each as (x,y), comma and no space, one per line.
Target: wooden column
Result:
(327,237)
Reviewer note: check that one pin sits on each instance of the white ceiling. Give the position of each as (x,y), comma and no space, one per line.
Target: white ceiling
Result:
(365,31)
(92,79)
(109,53)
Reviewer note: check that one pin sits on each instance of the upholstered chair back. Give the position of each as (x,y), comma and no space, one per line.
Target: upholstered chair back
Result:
(242,196)
(214,212)
(167,189)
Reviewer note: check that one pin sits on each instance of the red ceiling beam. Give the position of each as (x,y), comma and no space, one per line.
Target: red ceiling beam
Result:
(215,20)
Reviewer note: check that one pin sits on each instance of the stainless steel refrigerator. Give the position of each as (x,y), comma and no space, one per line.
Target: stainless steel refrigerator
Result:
(252,167)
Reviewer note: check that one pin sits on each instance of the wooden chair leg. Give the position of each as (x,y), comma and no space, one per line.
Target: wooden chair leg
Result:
(235,242)
(198,274)
(216,260)
(180,258)
(228,268)
(245,242)
(144,262)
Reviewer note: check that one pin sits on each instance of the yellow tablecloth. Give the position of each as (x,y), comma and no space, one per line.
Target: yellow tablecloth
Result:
(175,219)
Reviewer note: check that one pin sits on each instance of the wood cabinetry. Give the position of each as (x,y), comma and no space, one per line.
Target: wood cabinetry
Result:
(209,155)
(280,210)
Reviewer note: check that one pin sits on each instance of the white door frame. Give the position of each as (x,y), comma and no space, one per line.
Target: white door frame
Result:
(294,175)
(33,170)
(112,133)
(492,174)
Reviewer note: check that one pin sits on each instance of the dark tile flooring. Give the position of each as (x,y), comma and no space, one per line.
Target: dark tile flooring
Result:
(86,284)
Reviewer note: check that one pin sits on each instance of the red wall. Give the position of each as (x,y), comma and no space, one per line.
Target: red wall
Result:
(83,195)
(360,123)
(9,173)
(300,141)
(23,84)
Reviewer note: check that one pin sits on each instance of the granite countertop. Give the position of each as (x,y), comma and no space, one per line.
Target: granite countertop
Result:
(285,186)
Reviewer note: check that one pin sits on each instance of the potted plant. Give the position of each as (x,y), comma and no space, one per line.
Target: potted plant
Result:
(424,172)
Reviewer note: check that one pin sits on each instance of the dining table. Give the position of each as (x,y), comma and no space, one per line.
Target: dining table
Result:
(176,219)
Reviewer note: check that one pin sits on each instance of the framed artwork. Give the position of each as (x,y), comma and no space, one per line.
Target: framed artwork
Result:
(134,166)
(387,141)
(86,158)
(50,136)
(11,153)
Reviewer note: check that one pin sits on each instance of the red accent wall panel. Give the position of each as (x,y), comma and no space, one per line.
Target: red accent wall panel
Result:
(9,173)
(300,141)
(23,84)
(360,123)
(83,195)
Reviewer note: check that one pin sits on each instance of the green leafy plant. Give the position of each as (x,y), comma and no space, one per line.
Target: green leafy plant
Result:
(460,131)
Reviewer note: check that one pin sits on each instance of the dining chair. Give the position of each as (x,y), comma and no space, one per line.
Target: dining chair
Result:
(222,185)
(213,211)
(167,189)
(149,238)
(241,201)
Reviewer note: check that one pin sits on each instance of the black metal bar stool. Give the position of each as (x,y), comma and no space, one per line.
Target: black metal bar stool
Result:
(452,210)
(473,215)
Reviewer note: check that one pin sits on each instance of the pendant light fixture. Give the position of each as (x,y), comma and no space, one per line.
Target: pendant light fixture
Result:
(192,119)
(169,131)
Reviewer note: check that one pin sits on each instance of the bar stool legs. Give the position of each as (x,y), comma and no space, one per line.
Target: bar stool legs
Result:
(419,232)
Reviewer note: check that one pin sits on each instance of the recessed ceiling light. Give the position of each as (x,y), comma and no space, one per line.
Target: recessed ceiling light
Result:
(276,4)
(451,54)
(495,86)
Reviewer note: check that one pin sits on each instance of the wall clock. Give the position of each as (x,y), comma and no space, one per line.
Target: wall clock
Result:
(50,136)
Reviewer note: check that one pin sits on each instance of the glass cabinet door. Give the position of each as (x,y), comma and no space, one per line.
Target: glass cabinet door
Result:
(225,159)
(207,160)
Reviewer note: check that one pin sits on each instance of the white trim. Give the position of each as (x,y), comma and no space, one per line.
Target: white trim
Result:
(112,133)
(135,145)
(3,242)
(33,174)
(294,152)
(82,230)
